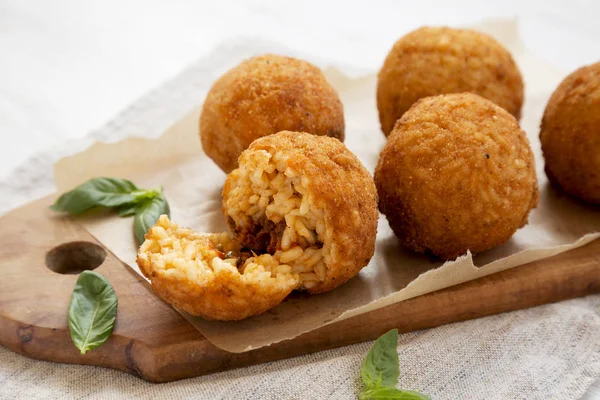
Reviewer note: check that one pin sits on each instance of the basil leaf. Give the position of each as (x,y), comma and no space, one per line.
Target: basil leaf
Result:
(380,372)
(128,199)
(92,311)
(390,393)
(381,365)
(143,195)
(107,192)
(147,214)
(127,209)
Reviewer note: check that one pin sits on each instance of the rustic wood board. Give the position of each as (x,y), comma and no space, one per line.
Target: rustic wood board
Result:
(152,341)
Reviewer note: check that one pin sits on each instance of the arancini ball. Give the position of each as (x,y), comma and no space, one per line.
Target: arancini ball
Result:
(570,134)
(431,61)
(302,210)
(309,202)
(456,174)
(262,96)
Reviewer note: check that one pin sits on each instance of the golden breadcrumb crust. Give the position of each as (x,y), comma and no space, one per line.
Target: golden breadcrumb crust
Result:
(570,134)
(456,174)
(432,61)
(262,96)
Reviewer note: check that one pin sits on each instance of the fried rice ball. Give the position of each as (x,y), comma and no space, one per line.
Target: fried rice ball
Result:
(262,96)
(432,61)
(303,215)
(456,174)
(570,135)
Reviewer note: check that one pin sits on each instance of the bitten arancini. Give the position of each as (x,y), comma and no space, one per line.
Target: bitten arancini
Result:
(456,174)
(262,96)
(302,210)
(311,201)
(431,61)
(570,134)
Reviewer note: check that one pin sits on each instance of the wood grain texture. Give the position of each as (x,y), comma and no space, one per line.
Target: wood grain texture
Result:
(152,341)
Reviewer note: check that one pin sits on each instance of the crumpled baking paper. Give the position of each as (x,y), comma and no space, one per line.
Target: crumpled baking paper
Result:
(193,186)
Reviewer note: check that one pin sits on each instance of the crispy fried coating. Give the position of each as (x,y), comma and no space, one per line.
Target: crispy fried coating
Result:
(303,215)
(320,192)
(570,134)
(188,271)
(262,96)
(431,61)
(456,174)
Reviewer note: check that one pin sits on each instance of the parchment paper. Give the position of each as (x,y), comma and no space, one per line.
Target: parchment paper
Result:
(193,185)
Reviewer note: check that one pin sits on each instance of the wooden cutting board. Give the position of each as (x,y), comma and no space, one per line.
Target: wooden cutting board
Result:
(152,341)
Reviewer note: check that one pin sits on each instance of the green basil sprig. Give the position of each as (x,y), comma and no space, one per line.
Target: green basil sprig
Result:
(92,311)
(146,204)
(380,372)
(147,214)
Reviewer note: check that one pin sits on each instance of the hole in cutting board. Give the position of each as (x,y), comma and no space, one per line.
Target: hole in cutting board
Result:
(75,257)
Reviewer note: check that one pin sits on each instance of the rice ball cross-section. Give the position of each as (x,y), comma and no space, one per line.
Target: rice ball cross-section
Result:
(433,60)
(303,215)
(570,134)
(456,174)
(262,96)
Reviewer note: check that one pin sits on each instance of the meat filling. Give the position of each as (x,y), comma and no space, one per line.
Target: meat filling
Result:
(261,237)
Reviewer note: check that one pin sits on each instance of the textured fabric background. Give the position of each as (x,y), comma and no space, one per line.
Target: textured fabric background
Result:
(547,352)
